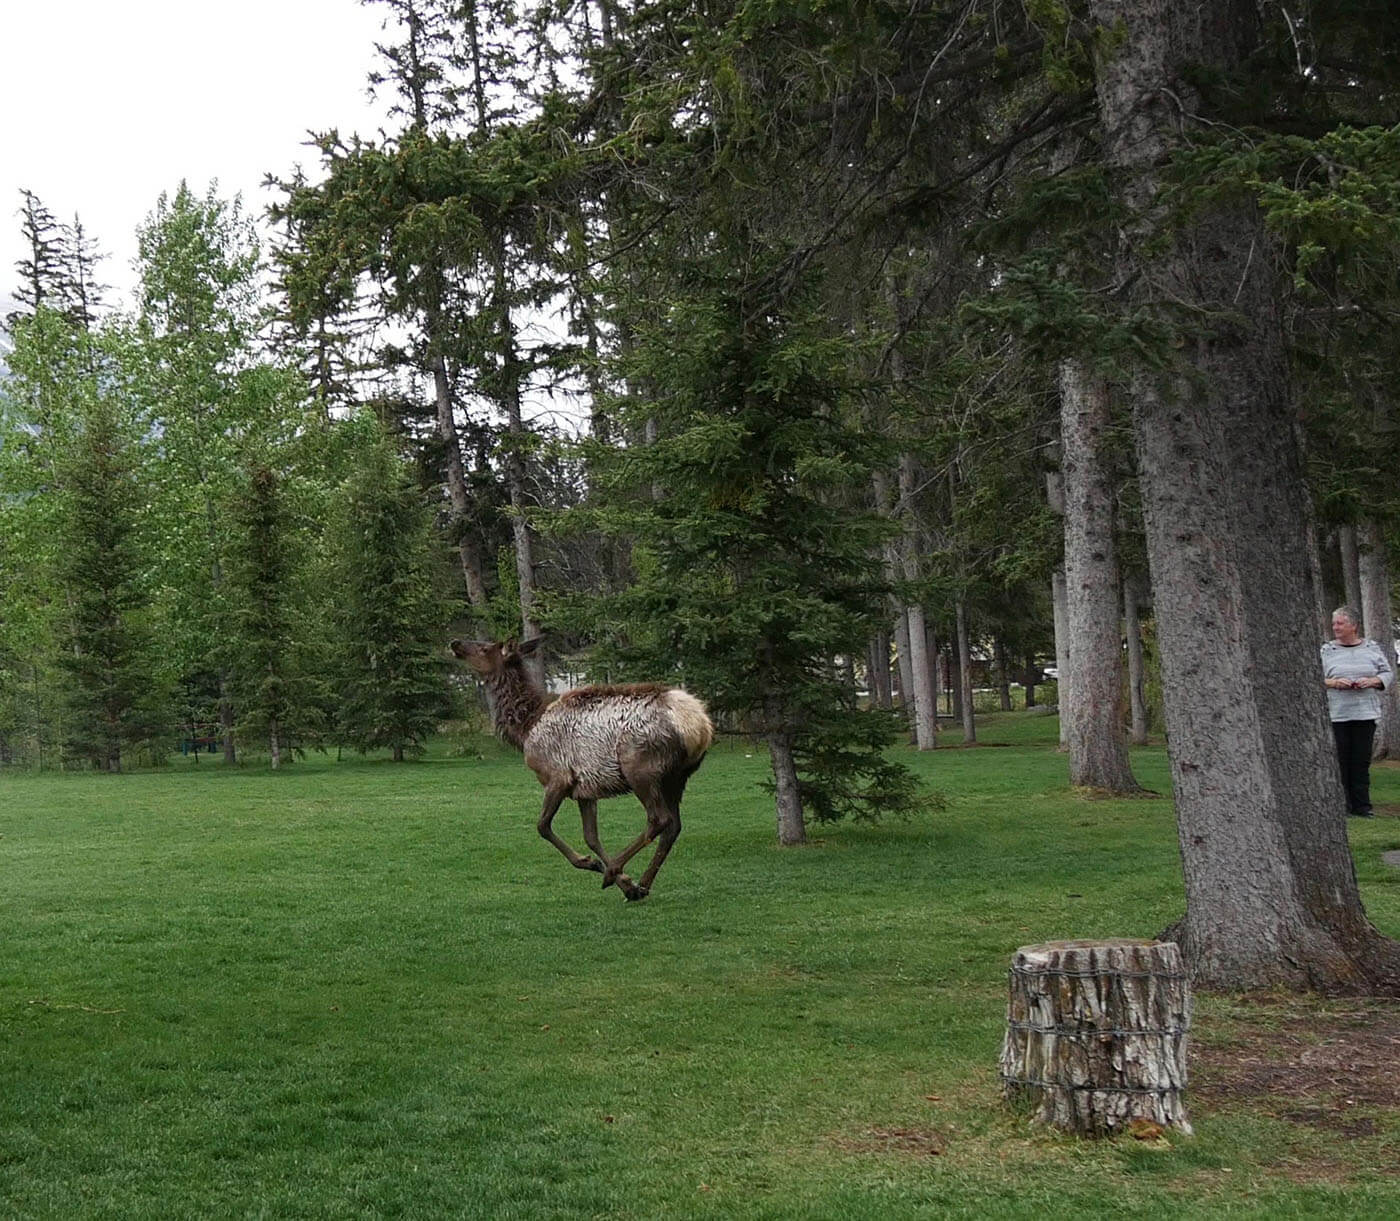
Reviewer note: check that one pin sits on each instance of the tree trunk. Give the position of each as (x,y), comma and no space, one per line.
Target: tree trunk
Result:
(1137,685)
(1379,619)
(879,667)
(226,720)
(789,802)
(1096,1035)
(1351,566)
(902,563)
(903,676)
(931,650)
(1320,605)
(274,745)
(969,719)
(924,692)
(1029,684)
(952,679)
(1003,674)
(521,533)
(467,550)
(1093,720)
(1270,888)
(1059,600)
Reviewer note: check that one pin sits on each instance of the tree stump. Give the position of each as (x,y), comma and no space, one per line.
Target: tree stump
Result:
(1096,1034)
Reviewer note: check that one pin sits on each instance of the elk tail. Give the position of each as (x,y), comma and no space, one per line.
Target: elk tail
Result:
(692,723)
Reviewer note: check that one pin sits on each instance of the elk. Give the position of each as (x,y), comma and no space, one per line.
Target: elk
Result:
(596,742)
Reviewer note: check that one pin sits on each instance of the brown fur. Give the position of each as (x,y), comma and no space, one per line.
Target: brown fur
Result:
(662,736)
(592,695)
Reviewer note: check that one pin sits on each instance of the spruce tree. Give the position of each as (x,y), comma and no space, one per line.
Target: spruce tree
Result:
(394,684)
(277,695)
(114,699)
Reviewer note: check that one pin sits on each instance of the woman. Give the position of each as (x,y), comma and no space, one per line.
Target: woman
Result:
(1355,672)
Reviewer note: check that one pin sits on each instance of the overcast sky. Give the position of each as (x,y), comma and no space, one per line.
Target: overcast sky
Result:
(104,104)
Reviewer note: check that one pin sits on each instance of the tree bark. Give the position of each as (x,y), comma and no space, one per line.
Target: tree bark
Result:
(1059,600)
(1096,1035)
(787,795)
(1093,720)
(467,550)
(925,705)
(969,719)
(878,664)
(1137,684)
(1379,619)
(903,672)
(1320,606)
(522,535)
(1271,892)
(1003,674)
(902,562)
(1351,566)
(1059,607)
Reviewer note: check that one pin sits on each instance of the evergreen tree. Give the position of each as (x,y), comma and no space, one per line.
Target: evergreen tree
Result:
(114,696)
(752,570)
(41,278)
(392,613)
(277,695)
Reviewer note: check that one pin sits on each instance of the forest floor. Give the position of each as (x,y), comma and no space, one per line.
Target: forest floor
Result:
(358,989)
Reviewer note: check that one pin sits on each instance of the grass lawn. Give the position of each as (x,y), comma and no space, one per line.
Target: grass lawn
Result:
(361,989)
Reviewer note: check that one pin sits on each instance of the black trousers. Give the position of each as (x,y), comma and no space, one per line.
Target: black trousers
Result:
(1354,740)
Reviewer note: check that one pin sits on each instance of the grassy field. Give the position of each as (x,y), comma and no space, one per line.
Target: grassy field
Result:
(359,989)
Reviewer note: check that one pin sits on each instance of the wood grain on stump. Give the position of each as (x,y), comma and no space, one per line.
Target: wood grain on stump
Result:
(1096,1034)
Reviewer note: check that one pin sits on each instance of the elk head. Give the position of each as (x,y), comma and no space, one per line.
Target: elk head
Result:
(487,657)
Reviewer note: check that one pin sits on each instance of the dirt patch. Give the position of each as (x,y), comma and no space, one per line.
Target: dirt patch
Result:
(1302,1061)
(925,1142)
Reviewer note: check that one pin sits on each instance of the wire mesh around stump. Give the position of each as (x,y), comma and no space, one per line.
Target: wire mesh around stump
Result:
(1096,1034)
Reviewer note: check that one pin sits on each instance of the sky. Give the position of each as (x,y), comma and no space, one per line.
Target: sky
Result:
(104,104)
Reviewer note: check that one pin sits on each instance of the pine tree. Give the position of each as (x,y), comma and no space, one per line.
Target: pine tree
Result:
(753,571)
(394,689)
(277,695)
(41,278)
(114,698)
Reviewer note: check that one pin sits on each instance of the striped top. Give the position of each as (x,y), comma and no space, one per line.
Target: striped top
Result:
(1361,660)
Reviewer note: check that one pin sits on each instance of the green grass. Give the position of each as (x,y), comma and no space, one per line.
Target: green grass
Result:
(362,989)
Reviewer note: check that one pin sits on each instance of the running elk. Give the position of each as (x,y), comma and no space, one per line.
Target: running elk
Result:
(596,742)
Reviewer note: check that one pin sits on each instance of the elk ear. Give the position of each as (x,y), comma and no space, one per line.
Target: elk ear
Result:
(527,647)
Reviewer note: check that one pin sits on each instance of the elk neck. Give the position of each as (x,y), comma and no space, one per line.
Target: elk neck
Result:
(516,703)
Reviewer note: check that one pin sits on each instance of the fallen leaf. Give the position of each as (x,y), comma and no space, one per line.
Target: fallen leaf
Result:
(1145,1129)
(545,1026)
(933,1098)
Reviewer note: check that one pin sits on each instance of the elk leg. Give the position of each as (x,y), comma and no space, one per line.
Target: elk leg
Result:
(668,837)
(553,799)
(588,811)
(657,818)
